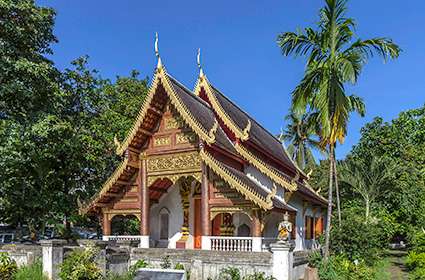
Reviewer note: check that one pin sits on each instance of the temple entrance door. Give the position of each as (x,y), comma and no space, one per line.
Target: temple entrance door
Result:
(197,224)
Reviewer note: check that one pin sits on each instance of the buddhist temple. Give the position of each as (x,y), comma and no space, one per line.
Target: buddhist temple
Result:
(199,173)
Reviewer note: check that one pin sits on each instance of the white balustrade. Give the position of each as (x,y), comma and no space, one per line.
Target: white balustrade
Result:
(230,243)
(122,237)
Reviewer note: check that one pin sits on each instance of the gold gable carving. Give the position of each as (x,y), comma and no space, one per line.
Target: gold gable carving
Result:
(185,138)
(162,141)
(174,122)
(174,162)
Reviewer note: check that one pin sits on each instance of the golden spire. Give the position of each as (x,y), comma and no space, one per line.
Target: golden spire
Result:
(198,60)
(157,51)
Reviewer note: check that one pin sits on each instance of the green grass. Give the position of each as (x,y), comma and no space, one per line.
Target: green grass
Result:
(382,270)
(30,272)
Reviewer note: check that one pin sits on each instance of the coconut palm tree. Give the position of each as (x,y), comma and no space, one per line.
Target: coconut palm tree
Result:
(299,135)
(334,59)
(367,178)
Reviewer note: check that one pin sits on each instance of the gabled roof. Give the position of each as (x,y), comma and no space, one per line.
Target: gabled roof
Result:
(242,183)
(249,132)
(206,121)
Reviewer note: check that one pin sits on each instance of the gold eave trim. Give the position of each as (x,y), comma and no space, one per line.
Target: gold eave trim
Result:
(106,186)
(207,136)
(242,134)
(234,182)
(265,169)
(140,117)
(161,76)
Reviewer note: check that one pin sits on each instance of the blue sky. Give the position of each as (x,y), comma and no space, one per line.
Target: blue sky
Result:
(239,51)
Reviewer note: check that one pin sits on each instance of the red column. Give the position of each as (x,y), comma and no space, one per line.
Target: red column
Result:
(145,202)
(106,225)
(256,224)
(205,208)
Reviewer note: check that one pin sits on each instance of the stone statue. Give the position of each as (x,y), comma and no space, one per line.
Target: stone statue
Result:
(285,228)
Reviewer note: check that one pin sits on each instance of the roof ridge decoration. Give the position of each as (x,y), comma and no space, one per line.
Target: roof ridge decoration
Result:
(235,183)
(198,61)
(161,75)
(242,134)
(272,194)
(157,51)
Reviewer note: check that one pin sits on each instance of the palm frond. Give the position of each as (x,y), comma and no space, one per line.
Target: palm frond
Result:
(382,46)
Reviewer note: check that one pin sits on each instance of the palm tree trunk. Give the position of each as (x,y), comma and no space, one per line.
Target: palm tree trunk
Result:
(367,209)
(338,204)
(329,215)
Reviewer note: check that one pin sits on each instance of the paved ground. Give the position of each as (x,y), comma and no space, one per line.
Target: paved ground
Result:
(397,269)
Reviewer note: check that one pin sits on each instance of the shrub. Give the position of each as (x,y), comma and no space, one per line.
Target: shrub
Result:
(341,268)
(8,267)
(314,259)
(417,274)
(33,272)
(179,266)
(258,276)
(81,265)
(417,242)
(232,273)
(139,264)
(229,273)
(415,260)
(357,239)
(165,262)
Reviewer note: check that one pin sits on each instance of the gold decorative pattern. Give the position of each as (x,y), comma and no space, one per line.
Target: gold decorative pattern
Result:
(106,187)
(233,181)
(215,210)
(272,194)
(174,162)
(265,169)
(162,141)
(140,117)
(242,134)
(174,177)
(162,76)
(174,123)
(185,138)
(183,111)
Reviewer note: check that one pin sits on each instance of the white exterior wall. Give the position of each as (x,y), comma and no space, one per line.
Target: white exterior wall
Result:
(240,219)
(303,210)
(171,201)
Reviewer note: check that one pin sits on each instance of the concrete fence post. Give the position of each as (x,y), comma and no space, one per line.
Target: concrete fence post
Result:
(283,260)
(52,257)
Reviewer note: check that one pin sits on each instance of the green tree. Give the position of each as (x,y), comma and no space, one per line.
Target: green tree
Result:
(367,178)
(402,142)
(299,134)
(333,61)
(28,79)
(68,152)
(28,89)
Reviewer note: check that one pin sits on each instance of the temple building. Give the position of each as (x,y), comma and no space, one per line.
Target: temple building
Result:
(199,173)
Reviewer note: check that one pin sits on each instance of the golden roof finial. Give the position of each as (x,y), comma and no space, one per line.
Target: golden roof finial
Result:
(157,51)
(198,60)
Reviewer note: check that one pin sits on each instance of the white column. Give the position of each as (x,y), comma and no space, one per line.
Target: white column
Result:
(144,241)
(52,257)
(205,243)
(257,243)
(283,260)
